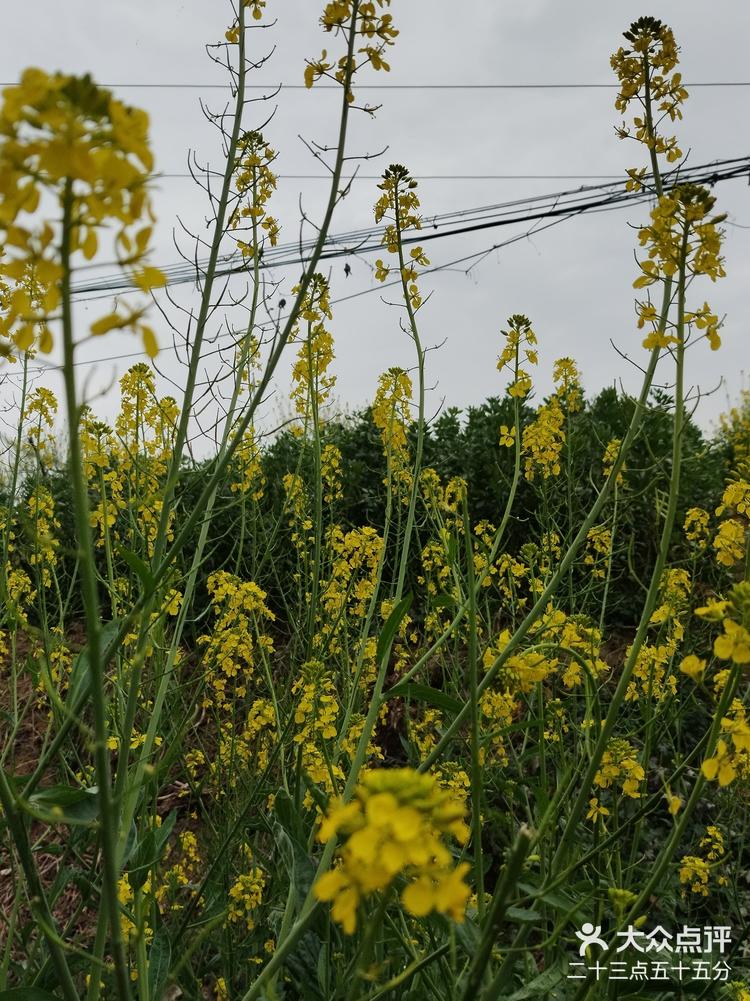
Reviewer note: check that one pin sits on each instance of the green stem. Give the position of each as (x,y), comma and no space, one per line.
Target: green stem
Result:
(37,899)
(496,915)
(666,853)
(308,907)
(551,588)
(97,686)
(656,575)
(476,764)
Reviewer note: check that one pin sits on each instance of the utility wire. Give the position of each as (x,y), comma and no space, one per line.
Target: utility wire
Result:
(355,238)
(742,165)
(158,85)
(369,239)
(435,269)
(427,177)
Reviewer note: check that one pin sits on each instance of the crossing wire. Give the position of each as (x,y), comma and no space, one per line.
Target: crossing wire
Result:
(707,173)
(369,239)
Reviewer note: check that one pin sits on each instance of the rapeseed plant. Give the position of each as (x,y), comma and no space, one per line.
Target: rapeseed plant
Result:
(327,724)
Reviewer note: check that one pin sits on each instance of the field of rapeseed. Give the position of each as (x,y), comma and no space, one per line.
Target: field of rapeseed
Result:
(379,707)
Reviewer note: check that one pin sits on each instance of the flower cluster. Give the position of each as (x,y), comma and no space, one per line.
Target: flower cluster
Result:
(232,649)
(435,577)
(316,717)
(399,205)
(255,7)
(735,430)
(731,540)
(395,825)
(620,764)
(64,139)
(693,666)
(182,874)
(330,473)
(485,535)
(351,585)
(645,73)
(734,614)
(300,521)
(674,590)
(609,458)
(125,469)
(652,678)
(40,412)
(567,379)
(578,643)
(498,708)
(518,337)
(246,893)
(45,530)
(312,383)
(682,230)
(730,760)
(695,526)
(391,415)
(254,182)
(695,870)
(683,212)
(242,749)
(126,898)
(375,28)
(543,440)
(251,480)
(598,548)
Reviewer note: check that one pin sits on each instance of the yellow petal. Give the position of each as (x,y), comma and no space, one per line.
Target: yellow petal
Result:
(710,768)
(149,342)
(149,278)
(419,897)
(90,245)
(45,340)
(112,321)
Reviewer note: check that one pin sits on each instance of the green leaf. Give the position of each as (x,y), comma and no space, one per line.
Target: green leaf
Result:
(131,843)
(442,601)
(468,935)
(540,985)
(61,804)
(289,816)
(292,850)
(323,970)
(423,693)
(554,898)
(302,965)
(391,627)
(137,565)
(451,550)
(159,960)
(149,850)
(525,915)
(80,675)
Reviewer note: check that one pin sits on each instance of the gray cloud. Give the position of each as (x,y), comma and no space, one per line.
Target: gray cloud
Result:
(573,280)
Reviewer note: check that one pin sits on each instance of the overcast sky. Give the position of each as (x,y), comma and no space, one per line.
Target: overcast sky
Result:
(574,280)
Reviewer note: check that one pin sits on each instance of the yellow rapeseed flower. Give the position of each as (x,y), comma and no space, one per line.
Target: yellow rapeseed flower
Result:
(394,825)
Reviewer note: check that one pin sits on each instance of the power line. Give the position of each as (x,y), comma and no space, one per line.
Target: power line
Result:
(425,177)
(557,214)
(369,239)
(398,86)
(334,302)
